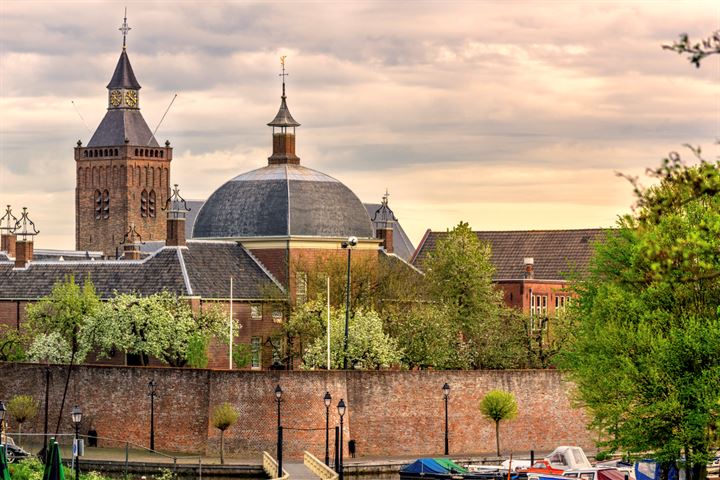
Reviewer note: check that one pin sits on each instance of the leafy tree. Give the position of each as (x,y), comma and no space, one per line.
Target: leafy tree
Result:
(12,344)
(646,356)
(161,325)
(224,416)
(697,51)
(498,405)
(459,276)
(369,347)
(241,355)
(22,408)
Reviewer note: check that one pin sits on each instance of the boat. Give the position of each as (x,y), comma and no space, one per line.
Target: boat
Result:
(446,469)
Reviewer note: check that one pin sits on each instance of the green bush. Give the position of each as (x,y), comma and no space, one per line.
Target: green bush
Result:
(32,469)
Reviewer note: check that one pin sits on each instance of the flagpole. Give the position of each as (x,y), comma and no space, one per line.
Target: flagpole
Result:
(230,363)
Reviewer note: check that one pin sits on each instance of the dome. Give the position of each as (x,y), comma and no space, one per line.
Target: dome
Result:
(283,200)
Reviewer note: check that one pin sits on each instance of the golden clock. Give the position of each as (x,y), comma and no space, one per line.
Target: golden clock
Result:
(115,98)
(131,98)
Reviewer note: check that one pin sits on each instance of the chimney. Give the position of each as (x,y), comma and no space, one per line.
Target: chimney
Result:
(383,221)
(25,229)
(529,267)
(7,236)
(131,244)
(177,209)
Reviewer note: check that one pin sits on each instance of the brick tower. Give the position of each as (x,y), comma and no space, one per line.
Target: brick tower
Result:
(123,175)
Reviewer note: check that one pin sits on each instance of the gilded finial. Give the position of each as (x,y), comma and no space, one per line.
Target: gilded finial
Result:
(283,74)
(124,28)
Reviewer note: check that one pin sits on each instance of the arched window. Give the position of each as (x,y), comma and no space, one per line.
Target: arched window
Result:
(136,152)
(106,204)
(85,154)
(116,152)
(144,204)
(161,153)
(98,204)
(151,204)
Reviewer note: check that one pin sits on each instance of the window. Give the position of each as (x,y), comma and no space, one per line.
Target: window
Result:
(151,204)
(277,314)
(98,205)
(300,288)
(106,205)
(538,311)
(256,352)
(144,204)
(256,312)
(561,303)
(102,204)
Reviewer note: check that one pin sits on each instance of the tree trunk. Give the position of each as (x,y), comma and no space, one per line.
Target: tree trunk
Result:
(222,447)
(497,436)
(67,382)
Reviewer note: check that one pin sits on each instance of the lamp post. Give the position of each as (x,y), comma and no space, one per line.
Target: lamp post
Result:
(351,242)
(152,392)
(446,394)
(341,412)
(77,418)
(327,398)
(278,396)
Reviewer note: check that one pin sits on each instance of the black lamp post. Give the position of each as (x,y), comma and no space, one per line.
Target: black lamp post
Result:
(152,392)
(77,418)
(341,412)
(351,242)
(327,398)
(278,396)
(446,394)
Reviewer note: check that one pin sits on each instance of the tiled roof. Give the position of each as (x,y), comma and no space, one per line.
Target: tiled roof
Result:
(202,269)
(556,253)
(402,245)
(123,76)
(120,124)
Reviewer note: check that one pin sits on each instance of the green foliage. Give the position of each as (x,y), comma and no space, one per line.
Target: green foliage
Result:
(241,355)
(59,322)
(166,474)
(498,405)
(197,351)
(646,354)
(369,347)
(32,469)
(12,344)
(459,277)
(161,325)
(224,416)
(22,408)
(696,51)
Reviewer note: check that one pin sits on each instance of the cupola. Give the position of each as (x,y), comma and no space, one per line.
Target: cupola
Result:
(283,126)
(177,211)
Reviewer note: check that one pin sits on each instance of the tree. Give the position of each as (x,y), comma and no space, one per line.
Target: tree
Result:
(369,347)
(22,408)
(12,344)
(224,416)
(498,405)
(646,354)
(459,276)
(699,50)
(162,325)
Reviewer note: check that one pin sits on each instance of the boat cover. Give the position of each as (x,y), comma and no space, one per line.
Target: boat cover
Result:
(454,467)
(424,465)
(610,474)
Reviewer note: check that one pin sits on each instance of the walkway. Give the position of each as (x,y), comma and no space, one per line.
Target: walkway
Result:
(299,471)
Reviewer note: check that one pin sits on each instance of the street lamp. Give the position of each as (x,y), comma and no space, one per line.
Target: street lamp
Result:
(77,418)
(446,394)
(152,392)
(278,396)
(351,242)
(341,412)
(327,398)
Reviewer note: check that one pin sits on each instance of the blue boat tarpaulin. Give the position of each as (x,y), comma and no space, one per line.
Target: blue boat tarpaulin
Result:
(424,465)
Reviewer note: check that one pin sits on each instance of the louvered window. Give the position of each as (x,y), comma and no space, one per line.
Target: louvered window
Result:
(144,204)
(105,205)
(98,204)
(151,204)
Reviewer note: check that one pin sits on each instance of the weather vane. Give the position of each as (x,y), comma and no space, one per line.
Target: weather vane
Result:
(283,74)
(124,28)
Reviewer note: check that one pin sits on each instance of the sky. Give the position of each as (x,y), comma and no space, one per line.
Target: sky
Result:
(509,115)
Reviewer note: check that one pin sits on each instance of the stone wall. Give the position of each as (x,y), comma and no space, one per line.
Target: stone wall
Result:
(389,412)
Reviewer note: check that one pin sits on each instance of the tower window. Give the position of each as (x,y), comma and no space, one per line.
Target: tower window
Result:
(106,204)
(161,154)
(98,205)
(136,152)
(151,204)
(144,204)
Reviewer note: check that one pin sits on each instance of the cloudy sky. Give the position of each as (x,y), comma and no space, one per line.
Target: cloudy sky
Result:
(506,114)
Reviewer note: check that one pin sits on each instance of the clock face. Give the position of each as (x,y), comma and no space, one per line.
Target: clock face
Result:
(115,98)
(131,98)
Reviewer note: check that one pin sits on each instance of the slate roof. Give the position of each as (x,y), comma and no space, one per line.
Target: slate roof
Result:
(202,269)
(124,77)
(282,200)
(119,124)
(283,117)
(556,253)
(402,245)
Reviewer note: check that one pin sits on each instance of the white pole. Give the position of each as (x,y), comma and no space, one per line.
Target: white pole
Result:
(231,324)
(328,322)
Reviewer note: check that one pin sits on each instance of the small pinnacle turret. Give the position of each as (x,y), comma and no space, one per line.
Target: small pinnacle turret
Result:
(283,138)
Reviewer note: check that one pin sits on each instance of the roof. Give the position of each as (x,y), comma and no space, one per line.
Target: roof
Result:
(283,117)
(120,124)
(402,246)
(556,253)
(282,200)
(200,269)
(124,77)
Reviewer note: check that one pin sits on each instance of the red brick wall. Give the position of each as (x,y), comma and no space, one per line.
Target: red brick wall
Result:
(389,413)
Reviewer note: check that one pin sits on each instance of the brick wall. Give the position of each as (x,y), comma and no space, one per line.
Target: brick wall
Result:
(389,413)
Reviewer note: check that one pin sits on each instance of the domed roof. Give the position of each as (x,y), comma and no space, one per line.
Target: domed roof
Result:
(283,200)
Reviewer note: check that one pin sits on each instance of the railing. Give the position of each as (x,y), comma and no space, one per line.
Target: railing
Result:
(271,467)
(319,468)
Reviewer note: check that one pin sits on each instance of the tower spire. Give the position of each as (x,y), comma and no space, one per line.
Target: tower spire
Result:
(124,28)
(283,139)
(283,74)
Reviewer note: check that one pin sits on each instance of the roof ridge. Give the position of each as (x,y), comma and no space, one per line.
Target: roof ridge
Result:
(183,268)
(262,267)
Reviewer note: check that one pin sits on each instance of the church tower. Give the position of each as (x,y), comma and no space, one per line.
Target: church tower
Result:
(123,175)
